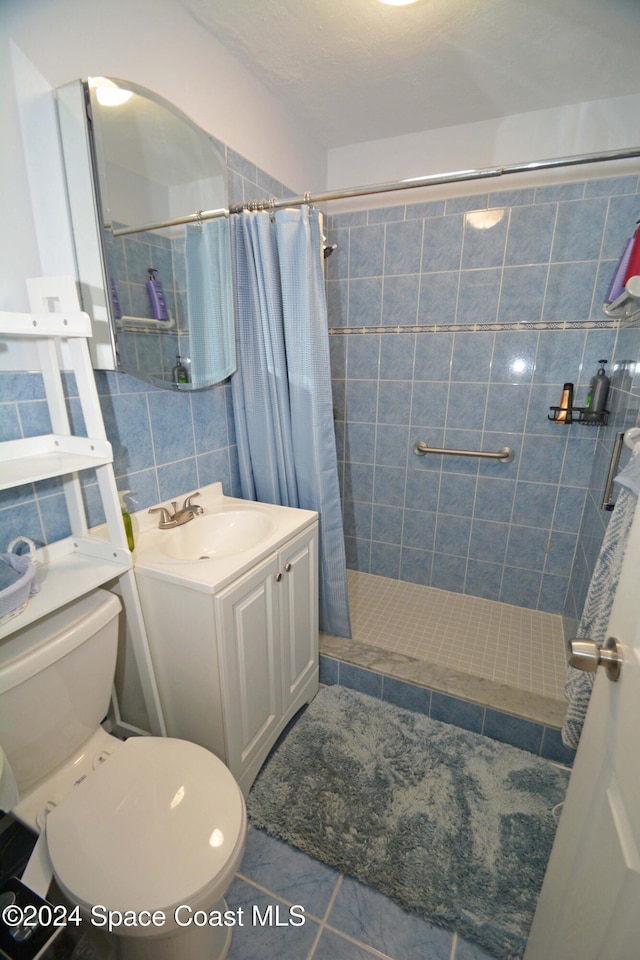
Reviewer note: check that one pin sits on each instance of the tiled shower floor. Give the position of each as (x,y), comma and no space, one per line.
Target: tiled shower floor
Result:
(474,648)
(513,645)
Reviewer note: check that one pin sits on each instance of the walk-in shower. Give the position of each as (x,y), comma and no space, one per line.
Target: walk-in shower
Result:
(458,330)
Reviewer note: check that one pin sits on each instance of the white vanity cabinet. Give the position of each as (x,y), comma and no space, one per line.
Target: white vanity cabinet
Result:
(235,661)
(267,623)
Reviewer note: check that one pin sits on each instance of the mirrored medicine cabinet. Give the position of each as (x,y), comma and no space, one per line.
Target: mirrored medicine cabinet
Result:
(154,277)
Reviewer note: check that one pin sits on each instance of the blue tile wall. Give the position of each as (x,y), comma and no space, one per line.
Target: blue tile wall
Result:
(419,298)
(624,404)
(528,735)
(129,259)
(163,443)
(457,322)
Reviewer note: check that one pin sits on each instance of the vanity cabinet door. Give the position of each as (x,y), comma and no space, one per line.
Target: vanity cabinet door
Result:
(247,617)
(299,615)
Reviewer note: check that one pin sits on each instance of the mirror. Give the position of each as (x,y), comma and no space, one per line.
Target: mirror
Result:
(149,208)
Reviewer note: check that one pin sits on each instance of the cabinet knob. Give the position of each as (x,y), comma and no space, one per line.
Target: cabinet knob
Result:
(278,576)
(287,567)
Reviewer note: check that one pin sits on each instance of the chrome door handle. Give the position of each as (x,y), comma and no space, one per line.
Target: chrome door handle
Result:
(587,655)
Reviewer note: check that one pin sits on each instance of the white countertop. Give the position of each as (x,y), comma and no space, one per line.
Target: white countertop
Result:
(211,574)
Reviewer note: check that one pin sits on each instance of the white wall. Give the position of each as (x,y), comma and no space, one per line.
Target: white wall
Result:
(565,131)
(45,43)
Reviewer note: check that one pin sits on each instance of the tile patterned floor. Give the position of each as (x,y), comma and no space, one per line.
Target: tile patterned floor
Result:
(500,642)
(344,920)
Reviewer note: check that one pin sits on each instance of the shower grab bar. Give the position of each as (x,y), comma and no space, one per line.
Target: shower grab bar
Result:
(505,454)
(607,502)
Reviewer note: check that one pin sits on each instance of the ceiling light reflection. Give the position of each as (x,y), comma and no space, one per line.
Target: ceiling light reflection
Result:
(485,219)
(109,94)
(217,838)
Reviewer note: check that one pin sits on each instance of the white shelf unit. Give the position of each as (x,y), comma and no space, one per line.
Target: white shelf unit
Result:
(69,568)
(65,569)
(627,306)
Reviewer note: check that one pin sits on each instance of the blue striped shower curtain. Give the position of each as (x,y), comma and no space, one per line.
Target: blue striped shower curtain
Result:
(209,302)
(282,402)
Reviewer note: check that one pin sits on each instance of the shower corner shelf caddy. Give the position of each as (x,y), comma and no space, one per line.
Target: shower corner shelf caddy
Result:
(581,415)
(71,567)
(627,306)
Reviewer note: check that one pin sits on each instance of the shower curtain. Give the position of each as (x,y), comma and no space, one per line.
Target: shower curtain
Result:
(282,403)
(209,302)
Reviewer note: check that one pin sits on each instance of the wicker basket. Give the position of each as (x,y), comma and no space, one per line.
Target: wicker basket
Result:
(14,598)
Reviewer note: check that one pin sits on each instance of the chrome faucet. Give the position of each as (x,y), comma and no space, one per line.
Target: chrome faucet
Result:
(187,512)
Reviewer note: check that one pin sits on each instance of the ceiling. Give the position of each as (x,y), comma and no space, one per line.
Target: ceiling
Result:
(358,70)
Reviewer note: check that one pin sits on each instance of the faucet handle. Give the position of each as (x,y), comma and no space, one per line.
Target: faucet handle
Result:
(187,505)
(166,516)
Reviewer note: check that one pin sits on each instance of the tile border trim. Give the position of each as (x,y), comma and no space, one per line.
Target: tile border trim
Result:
(477,327)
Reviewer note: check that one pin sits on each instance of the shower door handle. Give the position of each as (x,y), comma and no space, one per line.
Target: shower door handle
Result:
(587,655)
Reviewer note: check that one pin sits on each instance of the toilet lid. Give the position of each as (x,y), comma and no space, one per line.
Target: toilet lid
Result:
(149,829)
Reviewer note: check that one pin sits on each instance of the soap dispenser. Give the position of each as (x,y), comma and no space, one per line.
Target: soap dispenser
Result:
(126,519)
(180,372)
(596,401)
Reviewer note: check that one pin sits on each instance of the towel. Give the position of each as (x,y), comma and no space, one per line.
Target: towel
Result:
(8,572)
(13,566)
(629,478)
(597,608)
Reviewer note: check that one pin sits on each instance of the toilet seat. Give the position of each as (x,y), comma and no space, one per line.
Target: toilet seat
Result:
(157,825)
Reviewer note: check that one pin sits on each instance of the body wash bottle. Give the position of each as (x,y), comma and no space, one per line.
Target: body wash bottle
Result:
(596,401)
(156,295)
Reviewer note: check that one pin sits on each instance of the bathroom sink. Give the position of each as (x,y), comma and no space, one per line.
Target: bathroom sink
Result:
(220,534)
(216,546)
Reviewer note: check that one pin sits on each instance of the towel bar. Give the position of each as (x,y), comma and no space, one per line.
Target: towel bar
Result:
(505,454)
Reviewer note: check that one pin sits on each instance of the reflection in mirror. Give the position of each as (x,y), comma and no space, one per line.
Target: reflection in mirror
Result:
(160,202)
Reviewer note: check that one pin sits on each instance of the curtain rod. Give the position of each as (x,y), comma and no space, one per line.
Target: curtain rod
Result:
(413,183)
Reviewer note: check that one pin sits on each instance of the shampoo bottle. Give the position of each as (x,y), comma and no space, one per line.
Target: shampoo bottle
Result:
(633,263)
(598,390)
(565,410)
(156,295)
(616,287)
(126,519)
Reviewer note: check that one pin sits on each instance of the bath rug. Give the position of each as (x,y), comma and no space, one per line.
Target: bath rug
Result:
(454,826)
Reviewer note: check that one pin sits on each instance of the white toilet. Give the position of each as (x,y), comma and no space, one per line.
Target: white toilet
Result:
(135,828)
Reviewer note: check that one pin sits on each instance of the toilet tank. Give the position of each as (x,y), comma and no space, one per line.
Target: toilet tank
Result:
(56,678)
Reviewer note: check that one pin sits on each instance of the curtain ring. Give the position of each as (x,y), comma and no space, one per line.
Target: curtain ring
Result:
(272,208)
(199,219)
